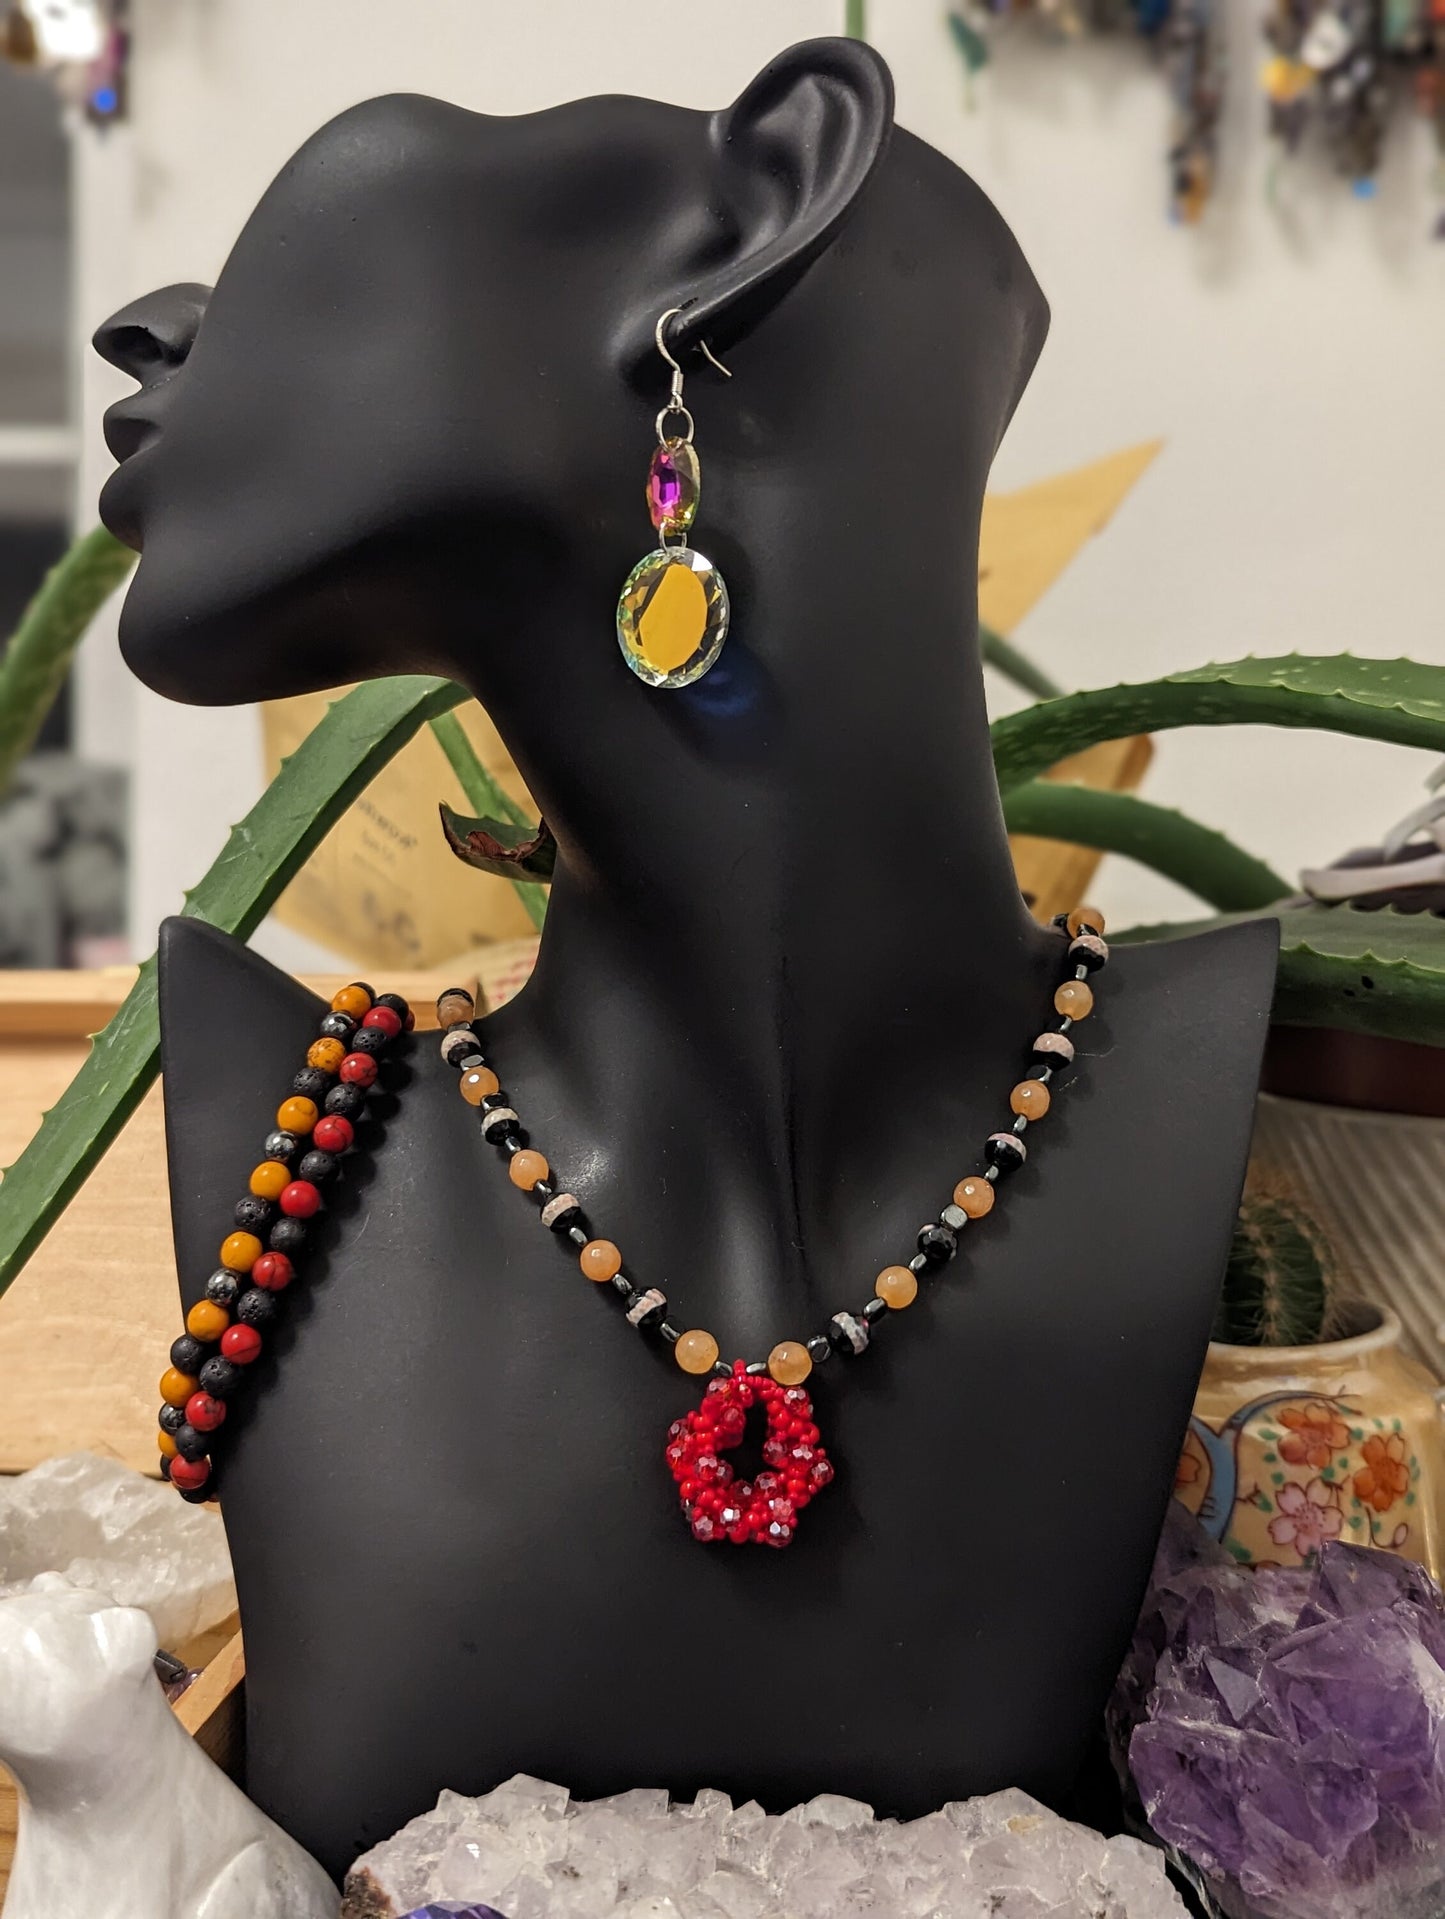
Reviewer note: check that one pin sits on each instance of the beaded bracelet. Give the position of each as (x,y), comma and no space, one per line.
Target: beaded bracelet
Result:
(315,1128)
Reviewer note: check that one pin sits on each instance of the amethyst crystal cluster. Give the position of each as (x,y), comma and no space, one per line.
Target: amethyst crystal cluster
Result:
(1285,1729)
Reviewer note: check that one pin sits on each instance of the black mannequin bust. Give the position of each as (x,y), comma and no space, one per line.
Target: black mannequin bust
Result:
(786,984)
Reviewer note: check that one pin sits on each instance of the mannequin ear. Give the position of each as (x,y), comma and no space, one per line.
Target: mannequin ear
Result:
(792,157)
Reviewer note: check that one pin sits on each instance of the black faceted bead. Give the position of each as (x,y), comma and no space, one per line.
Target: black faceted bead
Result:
(280,1145)
(190,1444)
(369,1039)
(257,1307)
(172,1419)
(312,1083)
(187,1354)
(223,1286)
(221,1378)
(937,1243)
(1005,1152)
(819,1349)
(316,1166)
(349,1101)
(338,1026)
(875,1310)
(396,1004)
(254,1215)
(288,1236)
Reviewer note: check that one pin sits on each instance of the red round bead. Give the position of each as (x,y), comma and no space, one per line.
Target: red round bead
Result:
(410,1020)
(188,1474)
(205,1413)
(300,1199)
(358,1069)
(241,1343)
(332,1134)
(386,1019)
(273,1271)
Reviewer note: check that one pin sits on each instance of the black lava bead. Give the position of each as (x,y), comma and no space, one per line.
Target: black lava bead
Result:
(172,1419)
(187,1354)
(367,988)
(349,1101)
(195,1495)
(165,1464)
(312,1083)
(338,1026)
(316,1166)
(280,1145)
(257,1307)
(190,1444)
(288,1236)
(397,1005)
(221,1377)
(937,1243)
(369,1039)
(222,1287)
(254,1215)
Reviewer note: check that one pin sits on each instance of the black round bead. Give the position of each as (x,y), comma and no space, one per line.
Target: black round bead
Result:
(172,1419)
(316,1166)
(221,1377)
(190,1444)
(254,1215)
(937,1243)
(257,1307)
(222,1287)
(195,1495)
(369,1039)
(367,988)
(338,1026)
(396,1004)
(312,1083)
(288,1236)
(280,1145)
(349,1101)
(187,1354)
(166,1464)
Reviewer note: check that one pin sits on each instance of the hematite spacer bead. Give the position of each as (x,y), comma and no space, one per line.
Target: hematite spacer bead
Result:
(512,1142)
(348,1101)
(1081,972)
(337,1026)
(499,1124)
(172,1418)
(288,1236)
(1053,1050)
(646,1311)
(560,1211)
(1005,1152)
(579,1235)
(317,1166)
(954,1217)
(253,1215)
(469,1060)
(848,1334)
(457,1043)
(492,1102)
(622,1283)
(818,1348)
(875,1310)
(189,1443)
(222,1287)
(920,1263)
(672,1334)
(1021,1125)
(721,1370)
(1043,1074)
(369,1039)
(758,1369)
(220,1377)
(257,1307)
(279,1145)
(937,1243)
(1090,952)
(188,1354)
(312,1083)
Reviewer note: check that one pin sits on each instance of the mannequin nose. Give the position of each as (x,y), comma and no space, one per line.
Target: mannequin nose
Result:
(151,337)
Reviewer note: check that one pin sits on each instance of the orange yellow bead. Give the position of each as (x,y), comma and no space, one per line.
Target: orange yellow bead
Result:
(479,1083)
(167,1445)
(240,1251)
(974,1196)
(297,1115)
(270,1178)
(1085,916)
(1074,999)
(353,1000)
(696,1352)
(206,1320)
(789,1362)
(325,1054)
(527,1168)
(1030,1099)
(897,1287)
(600,1259)
(176,1386)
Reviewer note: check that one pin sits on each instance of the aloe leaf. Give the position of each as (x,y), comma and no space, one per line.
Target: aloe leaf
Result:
(332,766)
(43,645)
(1005,658)
(1381,973)
(1211,866)
(485,843)
(1397,700)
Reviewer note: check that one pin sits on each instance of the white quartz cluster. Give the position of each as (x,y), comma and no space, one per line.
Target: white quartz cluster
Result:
(113,1531)
(530,1852)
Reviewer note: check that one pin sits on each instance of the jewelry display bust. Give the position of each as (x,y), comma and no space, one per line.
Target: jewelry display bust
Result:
(783,989)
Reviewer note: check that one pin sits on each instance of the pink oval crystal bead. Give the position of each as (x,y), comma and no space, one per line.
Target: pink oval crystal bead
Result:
(674,487)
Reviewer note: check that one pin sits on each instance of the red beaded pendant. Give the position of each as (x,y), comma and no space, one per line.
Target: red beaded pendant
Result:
(749,1512)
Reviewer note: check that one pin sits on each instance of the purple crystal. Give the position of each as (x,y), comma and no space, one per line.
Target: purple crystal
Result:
(449,1909)
(1285,1729)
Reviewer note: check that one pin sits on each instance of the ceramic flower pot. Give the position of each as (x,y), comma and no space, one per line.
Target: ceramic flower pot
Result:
(1291,1446)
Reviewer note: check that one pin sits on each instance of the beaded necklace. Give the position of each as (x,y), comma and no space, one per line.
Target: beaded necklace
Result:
(764,1511)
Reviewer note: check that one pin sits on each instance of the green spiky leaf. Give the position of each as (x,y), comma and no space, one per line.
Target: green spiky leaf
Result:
(496,846)
(1211,866)
(494,804)
(332,766)
(1397,700)
(1006,658)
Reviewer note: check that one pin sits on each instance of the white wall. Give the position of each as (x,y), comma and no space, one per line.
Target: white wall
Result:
(1292,363)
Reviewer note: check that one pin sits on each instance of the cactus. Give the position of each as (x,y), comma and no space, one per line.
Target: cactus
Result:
(1280,1279)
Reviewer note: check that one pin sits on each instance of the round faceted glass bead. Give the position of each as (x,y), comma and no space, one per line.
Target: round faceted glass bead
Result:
(696,1352)
(1074,999)
(896,1287)
(974,1196)
(1085,916)
(674,486)
(478,1083)
(672,617)
(526,1168)
(600,1260)
(789,1363)
(1030,1099)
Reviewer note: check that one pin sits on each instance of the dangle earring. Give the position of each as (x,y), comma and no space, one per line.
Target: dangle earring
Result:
(672,617)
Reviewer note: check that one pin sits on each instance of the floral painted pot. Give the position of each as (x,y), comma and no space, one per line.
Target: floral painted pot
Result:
(1291,1446)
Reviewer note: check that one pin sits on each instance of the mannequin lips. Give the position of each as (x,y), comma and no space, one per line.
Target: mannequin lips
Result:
(129,426)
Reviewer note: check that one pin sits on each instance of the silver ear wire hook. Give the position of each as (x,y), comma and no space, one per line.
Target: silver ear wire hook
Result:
(675,401)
